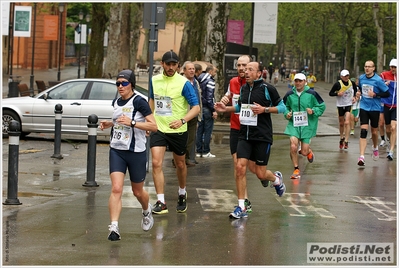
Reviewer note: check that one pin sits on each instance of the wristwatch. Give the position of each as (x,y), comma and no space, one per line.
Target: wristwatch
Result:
(183,121)
(267,110)
(133,123)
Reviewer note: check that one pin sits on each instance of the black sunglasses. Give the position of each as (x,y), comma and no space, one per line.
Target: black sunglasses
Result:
(124,83)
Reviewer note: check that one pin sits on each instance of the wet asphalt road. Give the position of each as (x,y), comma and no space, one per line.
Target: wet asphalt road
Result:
(61,222)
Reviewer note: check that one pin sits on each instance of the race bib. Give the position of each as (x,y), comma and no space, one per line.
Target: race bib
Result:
(365,89)
(163,106)
(247,117)
(300,119)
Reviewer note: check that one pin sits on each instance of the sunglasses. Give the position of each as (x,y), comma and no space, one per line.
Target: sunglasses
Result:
(124,83)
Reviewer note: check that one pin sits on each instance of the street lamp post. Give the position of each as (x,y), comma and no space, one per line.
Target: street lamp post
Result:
(87,41)
(80,39)
(61,10)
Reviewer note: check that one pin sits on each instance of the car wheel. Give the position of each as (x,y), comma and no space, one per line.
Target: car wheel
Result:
(8,116)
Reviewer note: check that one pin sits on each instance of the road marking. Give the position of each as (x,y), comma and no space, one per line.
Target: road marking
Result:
(378,207)
(217,199)
(130,201)
(299,205)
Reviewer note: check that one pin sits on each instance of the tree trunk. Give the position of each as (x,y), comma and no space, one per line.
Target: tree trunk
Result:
(100,19)
(193,39)
(380,40)
(137,20)
(358,36)
(216,42)
(118,50)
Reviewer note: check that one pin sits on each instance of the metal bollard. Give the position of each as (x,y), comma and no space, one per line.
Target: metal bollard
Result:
(91,151)
(13,158)
(57,132)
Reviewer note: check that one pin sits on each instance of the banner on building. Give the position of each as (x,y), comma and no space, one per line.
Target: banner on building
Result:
(22,21)
(265,23)
(235,31)
(50,27)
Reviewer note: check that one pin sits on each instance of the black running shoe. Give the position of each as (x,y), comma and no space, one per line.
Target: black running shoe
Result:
(160,208)
(182,203)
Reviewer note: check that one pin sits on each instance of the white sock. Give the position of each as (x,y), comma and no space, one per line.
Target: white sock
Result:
(241,203)
(114,223)
(145,212)
(161,197)
(182,191)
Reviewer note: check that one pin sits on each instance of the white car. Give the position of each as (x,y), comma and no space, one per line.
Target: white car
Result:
(79,99)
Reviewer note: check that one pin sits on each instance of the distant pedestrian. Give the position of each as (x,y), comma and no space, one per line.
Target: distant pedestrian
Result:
(372,89)
(275,76)
(290,78)
(345,92)
(355,108)
(390,113)
(270,70)
(311,80)
(282,72)
(304,106)
(131,119)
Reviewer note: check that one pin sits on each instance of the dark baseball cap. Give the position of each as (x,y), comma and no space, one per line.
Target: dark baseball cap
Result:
(128,75)
(170,56)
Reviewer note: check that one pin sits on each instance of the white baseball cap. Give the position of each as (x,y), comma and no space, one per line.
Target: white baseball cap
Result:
(344,72)
(394,62)
(300,76)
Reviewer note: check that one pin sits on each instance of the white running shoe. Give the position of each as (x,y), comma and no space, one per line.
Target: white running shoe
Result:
(208,155)
(147,221)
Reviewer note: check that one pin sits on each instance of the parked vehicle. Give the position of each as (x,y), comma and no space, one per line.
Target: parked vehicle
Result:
(79,99)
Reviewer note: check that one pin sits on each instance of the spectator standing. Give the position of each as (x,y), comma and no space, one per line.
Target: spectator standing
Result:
(205,126)
(232,95)
(303,109)
(390,79)
(311,79)
(257,100)
(171,96)
(282,72)
(372,89)
(131,119)
(189,73)
(345,92)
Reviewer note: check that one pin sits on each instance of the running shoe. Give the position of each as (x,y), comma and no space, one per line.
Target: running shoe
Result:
(341,143)
(160,208)
(346,145)
(296,174)
(390,156)
(208,155)
(147,221)
(352,132)
(182,203)
(375,155)
(114,234)
(248,206)
(310,156)
(360,161)
(280,188)
(238,213)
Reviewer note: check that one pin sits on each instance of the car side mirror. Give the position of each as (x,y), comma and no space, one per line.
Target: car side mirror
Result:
(45,95)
